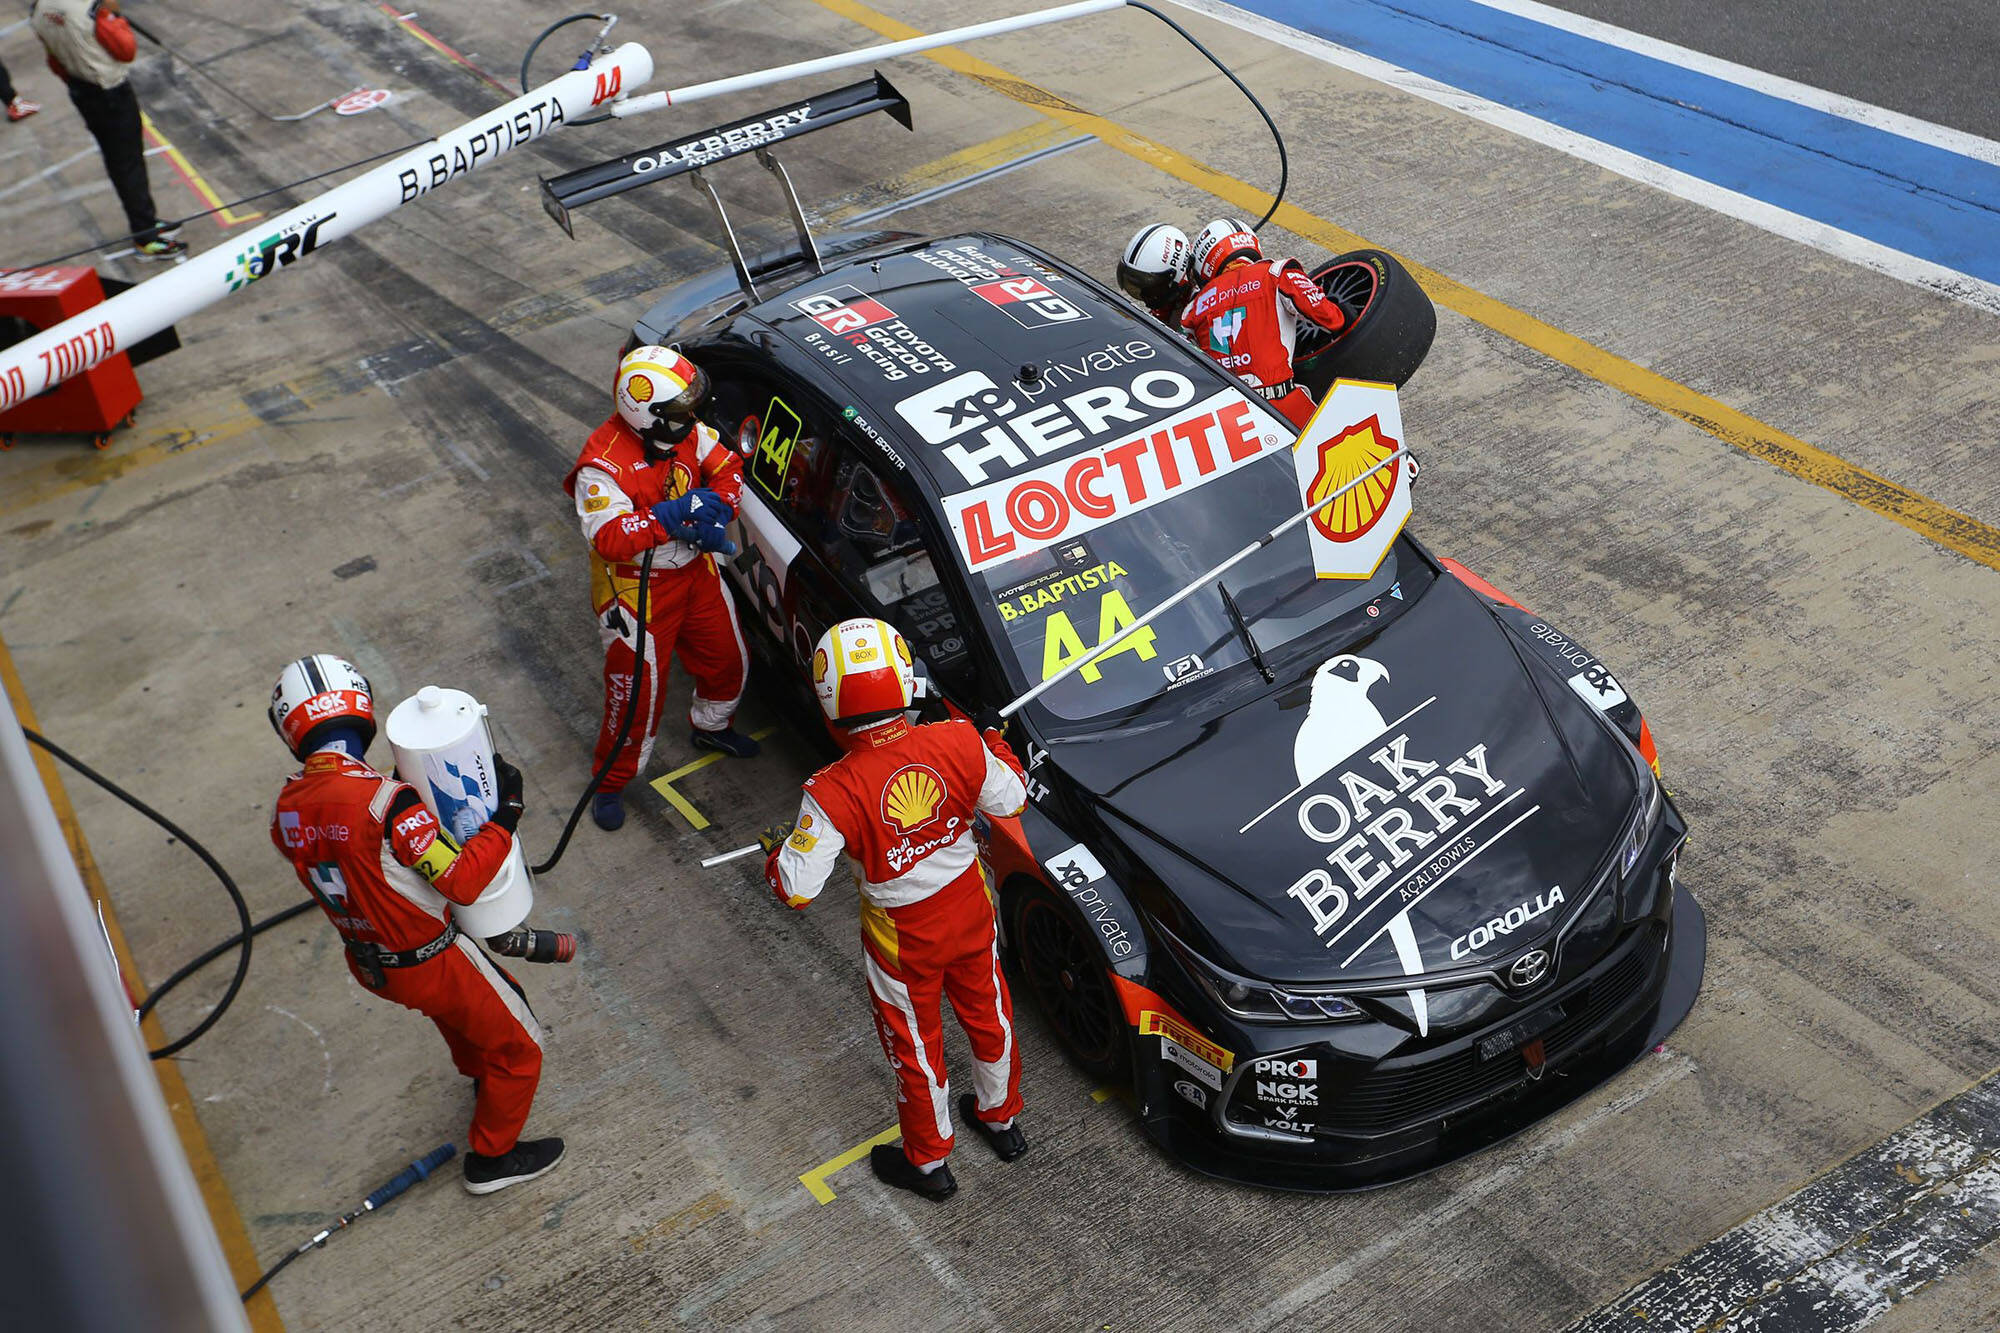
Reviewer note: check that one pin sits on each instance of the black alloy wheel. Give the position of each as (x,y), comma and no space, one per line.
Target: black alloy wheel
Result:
(1065,971)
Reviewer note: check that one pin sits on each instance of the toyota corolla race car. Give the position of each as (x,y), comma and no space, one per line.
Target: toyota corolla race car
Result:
(1348,876)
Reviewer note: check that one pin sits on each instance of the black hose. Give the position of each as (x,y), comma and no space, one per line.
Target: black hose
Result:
(275,919)
(1284,162)
(270,1273)
(235,894)
(625,724)
(549,32)
(150,36)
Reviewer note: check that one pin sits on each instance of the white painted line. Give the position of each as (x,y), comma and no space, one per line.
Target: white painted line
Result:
(1768,217)
(1660,1071)
(1801,94)
(46,172)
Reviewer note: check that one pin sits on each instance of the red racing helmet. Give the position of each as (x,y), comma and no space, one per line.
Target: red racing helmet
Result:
(863,673)
(316,694)
(1221,241)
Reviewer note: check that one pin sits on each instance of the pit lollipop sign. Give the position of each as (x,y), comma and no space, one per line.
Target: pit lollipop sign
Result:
(1357,426)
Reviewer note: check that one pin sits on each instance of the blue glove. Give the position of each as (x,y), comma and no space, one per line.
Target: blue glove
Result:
(673,514)
(713,537)
(681,515)
(708,507)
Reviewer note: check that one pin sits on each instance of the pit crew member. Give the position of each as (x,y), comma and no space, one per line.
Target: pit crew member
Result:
(901,803)
(655,477)
(1247,313)
(1154,271)
(382,868)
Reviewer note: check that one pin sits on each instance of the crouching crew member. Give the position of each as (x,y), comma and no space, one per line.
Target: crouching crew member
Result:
(383,869)
(1154,271)
(1247,313)
(654,477)
(901,804)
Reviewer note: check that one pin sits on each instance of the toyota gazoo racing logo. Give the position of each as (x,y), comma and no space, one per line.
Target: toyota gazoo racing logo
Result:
(1016,286)
(871,330)
(1342,459)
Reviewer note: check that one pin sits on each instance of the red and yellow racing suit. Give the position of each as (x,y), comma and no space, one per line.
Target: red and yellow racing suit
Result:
(1247,319)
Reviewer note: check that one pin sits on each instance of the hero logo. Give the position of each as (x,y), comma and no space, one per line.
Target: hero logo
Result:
(1012,431)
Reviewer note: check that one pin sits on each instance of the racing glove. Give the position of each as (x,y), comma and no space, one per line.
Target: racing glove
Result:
(684,515)
(772,836)
(713,537)
(508,816)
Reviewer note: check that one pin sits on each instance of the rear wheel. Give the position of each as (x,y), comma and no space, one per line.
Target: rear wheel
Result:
(1065,971)
(1390,324)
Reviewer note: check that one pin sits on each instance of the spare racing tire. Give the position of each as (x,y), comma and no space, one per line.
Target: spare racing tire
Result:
(1390,324)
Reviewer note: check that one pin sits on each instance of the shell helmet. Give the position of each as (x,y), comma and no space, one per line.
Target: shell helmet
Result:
(1221,241)
(660,393)
(316,694)
(863,673)
(1154,268)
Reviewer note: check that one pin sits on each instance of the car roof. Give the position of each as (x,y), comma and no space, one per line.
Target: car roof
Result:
(905,338)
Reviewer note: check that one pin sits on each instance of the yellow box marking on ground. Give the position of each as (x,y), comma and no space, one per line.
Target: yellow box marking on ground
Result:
(229,216)
(815,1179)
(665,785)
(1937,522)
(222,1211)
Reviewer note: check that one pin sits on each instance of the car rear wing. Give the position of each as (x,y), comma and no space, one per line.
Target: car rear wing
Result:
(753,134)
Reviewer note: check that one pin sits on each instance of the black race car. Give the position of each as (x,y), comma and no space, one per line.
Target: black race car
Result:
(1349,877)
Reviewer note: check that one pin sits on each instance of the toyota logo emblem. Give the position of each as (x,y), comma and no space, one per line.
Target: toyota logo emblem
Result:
(1528,969)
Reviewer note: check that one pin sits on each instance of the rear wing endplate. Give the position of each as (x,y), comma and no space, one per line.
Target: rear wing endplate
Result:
(678,157)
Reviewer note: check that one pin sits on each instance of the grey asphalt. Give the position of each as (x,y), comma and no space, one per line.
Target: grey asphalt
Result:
(1936,61)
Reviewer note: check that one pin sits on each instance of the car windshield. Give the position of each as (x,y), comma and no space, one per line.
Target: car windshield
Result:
(1055,605)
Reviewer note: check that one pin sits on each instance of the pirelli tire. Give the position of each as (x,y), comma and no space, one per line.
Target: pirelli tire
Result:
(1390,324)
(1062,967)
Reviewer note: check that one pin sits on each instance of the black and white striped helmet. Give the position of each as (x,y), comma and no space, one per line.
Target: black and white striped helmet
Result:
(1154,268)
(317,693)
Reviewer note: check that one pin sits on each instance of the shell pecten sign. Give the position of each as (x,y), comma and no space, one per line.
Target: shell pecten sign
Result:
(1356,428)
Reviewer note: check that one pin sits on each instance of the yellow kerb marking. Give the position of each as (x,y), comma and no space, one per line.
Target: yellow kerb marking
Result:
(815,1179)
(665,785)
(1926,517)
(230,217)
(222,1211)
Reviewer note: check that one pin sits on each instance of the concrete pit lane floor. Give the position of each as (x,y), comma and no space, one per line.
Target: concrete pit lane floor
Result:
(1648,421)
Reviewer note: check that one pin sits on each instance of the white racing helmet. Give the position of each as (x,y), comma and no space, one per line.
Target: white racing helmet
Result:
(863,673)
(1221,241)
(660,393)
(316,694)
(1154,268)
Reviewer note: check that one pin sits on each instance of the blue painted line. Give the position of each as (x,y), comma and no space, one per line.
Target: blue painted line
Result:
(1914,197)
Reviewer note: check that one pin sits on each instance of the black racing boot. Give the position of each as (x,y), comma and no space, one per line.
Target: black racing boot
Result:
(1007,1144)
(524,1161)
(891,1167)
(729,741)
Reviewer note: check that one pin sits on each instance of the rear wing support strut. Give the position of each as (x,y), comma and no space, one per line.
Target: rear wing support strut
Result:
(807,245)
(736,258)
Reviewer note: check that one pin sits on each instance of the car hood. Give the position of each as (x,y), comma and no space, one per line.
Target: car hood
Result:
(1424,802)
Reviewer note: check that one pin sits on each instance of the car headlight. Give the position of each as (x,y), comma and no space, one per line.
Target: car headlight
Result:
(1652,804)
(1260,1001)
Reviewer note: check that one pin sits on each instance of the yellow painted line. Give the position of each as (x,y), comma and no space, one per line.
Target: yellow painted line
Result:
(434,44)
(222,1211)
(665,785)
(1939,523)
(815,1179)
(194,179)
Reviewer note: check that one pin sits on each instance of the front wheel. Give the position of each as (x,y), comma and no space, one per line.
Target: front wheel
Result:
(1390,324)
(1065,971)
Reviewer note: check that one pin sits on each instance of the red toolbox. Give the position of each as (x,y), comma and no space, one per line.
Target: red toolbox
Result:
(93,403)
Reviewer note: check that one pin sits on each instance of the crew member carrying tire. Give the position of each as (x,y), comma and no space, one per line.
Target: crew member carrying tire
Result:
(383,869)
(656,477)
(1154,271)
(901,803)
(1247,313)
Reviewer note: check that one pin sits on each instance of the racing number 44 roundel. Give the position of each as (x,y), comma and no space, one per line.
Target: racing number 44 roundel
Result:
(1357,428)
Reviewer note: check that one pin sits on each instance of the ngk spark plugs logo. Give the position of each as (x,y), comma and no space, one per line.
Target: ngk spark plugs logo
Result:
(866,327)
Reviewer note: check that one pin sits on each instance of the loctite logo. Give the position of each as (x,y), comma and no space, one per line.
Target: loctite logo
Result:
(1008,519)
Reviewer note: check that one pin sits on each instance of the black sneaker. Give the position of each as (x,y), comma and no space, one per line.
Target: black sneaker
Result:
(729,741)
(524,1161)
(607,810)
(891,1167)
(1007,1144)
